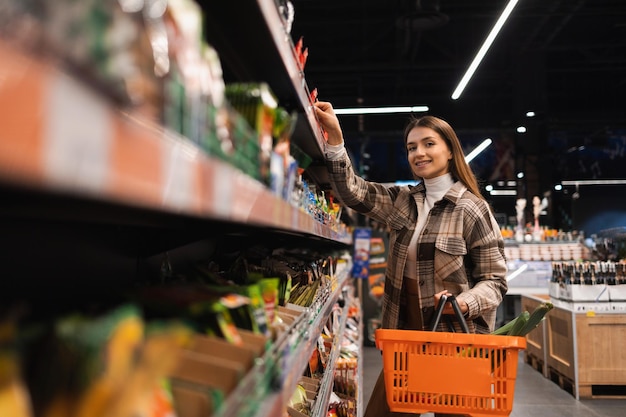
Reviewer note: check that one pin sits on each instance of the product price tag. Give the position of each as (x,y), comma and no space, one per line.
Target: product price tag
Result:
(221,198)
(77,136)
(179,162)
(296,219)
(280,213)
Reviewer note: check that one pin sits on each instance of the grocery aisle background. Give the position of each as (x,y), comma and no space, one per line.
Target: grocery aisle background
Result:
(535,395)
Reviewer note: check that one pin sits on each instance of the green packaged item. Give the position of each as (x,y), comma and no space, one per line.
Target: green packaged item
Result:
(269,292)
(239,309)
(284,289)
(257,104)
(257,307)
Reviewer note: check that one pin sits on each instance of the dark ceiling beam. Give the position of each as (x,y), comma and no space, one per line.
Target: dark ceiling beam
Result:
(587,68)
(558,28)
(380,67)
(537,28)
(619,44)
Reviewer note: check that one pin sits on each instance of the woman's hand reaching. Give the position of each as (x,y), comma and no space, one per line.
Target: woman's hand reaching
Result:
(328,119)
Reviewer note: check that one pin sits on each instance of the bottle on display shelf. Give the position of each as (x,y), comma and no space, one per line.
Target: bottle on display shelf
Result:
(610,275)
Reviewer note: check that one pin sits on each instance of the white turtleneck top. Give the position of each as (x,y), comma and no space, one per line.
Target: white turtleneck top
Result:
(436,188)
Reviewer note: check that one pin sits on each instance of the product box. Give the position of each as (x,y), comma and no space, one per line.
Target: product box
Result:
(581,292)
(554,289)
(220,348)
(617,292)
(208,371)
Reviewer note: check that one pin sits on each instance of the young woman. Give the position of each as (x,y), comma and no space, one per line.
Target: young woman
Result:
(443,237)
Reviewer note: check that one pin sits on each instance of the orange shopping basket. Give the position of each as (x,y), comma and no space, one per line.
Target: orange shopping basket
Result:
(445,372)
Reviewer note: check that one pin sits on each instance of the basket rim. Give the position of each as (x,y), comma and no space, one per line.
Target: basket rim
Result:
(474,339)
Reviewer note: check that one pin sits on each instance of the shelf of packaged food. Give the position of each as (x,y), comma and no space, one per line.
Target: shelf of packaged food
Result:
(320,408)
(284,362)
(307,340)
(58,135)
(259,48)
(359,381)
(252,394)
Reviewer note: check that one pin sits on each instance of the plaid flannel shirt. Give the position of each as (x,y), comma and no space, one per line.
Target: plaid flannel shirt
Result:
(460,248)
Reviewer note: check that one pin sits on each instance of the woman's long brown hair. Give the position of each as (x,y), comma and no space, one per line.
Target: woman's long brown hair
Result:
(459,169)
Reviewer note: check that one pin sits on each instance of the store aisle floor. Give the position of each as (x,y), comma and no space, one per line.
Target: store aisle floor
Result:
(535,396)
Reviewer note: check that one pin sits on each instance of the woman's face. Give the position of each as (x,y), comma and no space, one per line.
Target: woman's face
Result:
(428,153)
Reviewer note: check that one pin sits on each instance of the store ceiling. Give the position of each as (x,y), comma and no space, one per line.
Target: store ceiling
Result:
(565,60)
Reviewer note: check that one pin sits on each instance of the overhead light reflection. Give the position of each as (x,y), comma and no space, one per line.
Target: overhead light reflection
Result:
(473,154)
(516,273)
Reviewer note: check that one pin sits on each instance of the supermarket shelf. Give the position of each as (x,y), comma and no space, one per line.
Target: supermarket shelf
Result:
(251,394)
(60,136)
(360,367)
(258,48)
(288,357)
(63,142)
(320,409)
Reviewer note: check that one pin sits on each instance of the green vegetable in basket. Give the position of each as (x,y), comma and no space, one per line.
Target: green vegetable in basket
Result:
(520,323)
(525,322)
(536,317)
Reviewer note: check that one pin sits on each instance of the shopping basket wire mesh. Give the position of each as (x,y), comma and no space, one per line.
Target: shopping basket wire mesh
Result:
(445,372)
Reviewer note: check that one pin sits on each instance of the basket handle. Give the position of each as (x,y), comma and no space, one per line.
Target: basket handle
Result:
(457,312)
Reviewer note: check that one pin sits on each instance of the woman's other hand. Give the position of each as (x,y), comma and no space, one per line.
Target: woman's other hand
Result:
(448,308)
(328,119)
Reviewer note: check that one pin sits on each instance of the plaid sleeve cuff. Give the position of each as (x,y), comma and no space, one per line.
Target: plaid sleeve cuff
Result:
(473,307)
(339,166)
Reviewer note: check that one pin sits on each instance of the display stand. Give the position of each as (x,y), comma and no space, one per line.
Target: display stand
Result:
(579,349)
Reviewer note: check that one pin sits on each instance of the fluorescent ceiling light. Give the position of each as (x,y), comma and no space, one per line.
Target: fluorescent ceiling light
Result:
(483,49)
(594,182)
(382,110)
(477,150)
(503,192)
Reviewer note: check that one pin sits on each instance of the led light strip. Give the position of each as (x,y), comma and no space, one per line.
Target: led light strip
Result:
(503,192)
(594,182)
(483,49)
(382,110)
(483,145)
